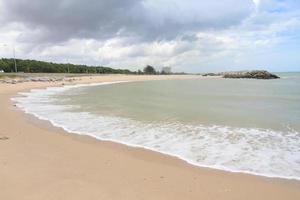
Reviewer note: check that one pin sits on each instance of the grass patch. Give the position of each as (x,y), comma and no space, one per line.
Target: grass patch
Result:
(6,75)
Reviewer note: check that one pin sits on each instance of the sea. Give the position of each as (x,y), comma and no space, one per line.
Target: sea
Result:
(237,125)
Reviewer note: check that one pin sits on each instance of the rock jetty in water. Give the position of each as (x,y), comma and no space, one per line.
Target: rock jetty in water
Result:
(255,74)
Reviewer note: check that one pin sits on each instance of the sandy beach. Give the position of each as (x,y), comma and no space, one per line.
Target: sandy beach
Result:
(39,161)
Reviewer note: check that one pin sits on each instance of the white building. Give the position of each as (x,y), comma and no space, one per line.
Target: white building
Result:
(1,71)
(166,70)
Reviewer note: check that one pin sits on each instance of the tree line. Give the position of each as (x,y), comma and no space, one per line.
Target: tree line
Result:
(35,66)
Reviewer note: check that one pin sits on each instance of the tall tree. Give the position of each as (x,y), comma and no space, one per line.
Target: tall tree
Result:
(149,70)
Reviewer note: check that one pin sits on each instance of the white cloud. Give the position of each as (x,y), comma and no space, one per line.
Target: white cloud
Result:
(187,35)
(257,2)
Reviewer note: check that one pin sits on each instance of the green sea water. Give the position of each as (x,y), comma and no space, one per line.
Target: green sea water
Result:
(270,104)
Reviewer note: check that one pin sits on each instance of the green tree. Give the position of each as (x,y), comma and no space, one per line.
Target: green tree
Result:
(139,72)
(34,66)
(149,70)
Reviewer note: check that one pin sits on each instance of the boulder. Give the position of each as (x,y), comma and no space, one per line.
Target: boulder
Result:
(212,74)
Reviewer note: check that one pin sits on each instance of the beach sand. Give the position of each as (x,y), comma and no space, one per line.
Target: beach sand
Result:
(39,161)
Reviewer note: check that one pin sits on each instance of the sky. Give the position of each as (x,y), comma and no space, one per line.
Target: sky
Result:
(189,35)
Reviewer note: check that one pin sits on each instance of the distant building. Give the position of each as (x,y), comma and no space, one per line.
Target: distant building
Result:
(166,70)
(1,71)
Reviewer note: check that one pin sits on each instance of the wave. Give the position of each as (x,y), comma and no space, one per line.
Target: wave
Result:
(246,150)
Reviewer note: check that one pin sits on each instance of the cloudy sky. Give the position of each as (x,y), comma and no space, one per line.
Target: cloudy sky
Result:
(189,35)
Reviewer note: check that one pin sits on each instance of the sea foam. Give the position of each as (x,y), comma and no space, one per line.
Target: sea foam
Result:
(248,150)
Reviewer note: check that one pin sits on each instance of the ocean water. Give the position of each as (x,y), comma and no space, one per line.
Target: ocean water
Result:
(238,125)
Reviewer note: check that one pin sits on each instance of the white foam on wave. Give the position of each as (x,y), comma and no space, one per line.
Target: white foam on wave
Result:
(248,150)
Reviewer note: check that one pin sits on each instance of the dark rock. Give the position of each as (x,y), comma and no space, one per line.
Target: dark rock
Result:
(212,74)
(256,74)
(4,138)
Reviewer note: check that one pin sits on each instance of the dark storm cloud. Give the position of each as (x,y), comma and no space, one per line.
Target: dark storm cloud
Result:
(61,20)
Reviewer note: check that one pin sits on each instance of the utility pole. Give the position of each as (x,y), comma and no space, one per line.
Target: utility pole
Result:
(16,69)
(14,54)
(68,65)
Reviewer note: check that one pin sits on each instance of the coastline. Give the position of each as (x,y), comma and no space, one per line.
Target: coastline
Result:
(39,161)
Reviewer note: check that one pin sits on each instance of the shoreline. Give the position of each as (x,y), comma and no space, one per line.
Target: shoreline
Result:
(213,180)
(53,123)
